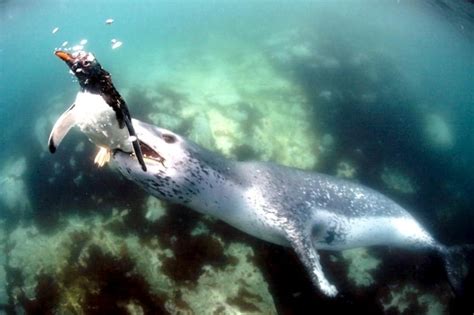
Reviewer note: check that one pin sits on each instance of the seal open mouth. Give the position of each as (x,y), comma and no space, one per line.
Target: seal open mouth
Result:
(148,153)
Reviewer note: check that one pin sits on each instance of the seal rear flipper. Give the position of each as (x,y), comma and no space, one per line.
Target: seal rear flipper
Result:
(135,142)
(458,263)
(62,126)
(309,257)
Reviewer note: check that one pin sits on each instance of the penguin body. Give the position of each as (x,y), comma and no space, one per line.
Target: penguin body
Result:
(99,110)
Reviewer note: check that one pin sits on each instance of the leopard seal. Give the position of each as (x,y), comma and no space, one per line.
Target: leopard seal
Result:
(304,210)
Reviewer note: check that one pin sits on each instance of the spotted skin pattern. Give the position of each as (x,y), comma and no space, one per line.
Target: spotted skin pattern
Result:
(286,206)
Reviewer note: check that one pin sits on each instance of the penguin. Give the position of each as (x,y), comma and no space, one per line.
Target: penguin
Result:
(99,110)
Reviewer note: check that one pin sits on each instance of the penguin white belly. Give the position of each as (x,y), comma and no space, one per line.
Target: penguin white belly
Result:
(97,120)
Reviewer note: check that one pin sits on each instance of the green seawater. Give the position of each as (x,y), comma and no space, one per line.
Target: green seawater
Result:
(379,92)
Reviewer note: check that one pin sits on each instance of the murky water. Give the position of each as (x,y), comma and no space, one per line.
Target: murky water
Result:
(380,93)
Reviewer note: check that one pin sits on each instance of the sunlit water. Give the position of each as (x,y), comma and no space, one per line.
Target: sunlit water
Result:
(377,92)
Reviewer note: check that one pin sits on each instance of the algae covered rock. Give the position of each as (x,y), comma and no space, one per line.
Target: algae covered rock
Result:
(3,275)
(346,170)
(438,132)
(239,288)
(13,190)
(408,299)
(97,262)
(361,265)
(244,109)
(397,181)
(3,287)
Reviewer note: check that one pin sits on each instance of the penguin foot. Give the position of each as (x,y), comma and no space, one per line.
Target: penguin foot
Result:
(102,157)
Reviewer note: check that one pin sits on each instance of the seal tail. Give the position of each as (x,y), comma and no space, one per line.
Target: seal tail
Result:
(457,260)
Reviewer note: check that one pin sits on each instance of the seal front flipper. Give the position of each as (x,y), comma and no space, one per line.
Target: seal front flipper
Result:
(303,247)
(62,126)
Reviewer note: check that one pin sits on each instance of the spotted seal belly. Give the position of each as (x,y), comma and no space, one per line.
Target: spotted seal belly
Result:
(286,206)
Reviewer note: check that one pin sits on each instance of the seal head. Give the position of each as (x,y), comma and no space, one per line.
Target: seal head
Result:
(173,170)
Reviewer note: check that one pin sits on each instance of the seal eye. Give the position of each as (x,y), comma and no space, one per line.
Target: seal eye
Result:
(87,63)
(168,138)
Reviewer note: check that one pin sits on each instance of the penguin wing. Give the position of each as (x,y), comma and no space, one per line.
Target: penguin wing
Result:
(61,128)
(135,142)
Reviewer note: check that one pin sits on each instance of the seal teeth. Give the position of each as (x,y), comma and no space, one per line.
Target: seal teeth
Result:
(150,153)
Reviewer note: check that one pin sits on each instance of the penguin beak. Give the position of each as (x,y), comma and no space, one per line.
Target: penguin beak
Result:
(66,57)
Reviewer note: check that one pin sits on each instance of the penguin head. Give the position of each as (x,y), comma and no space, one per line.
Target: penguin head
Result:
(85,67)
